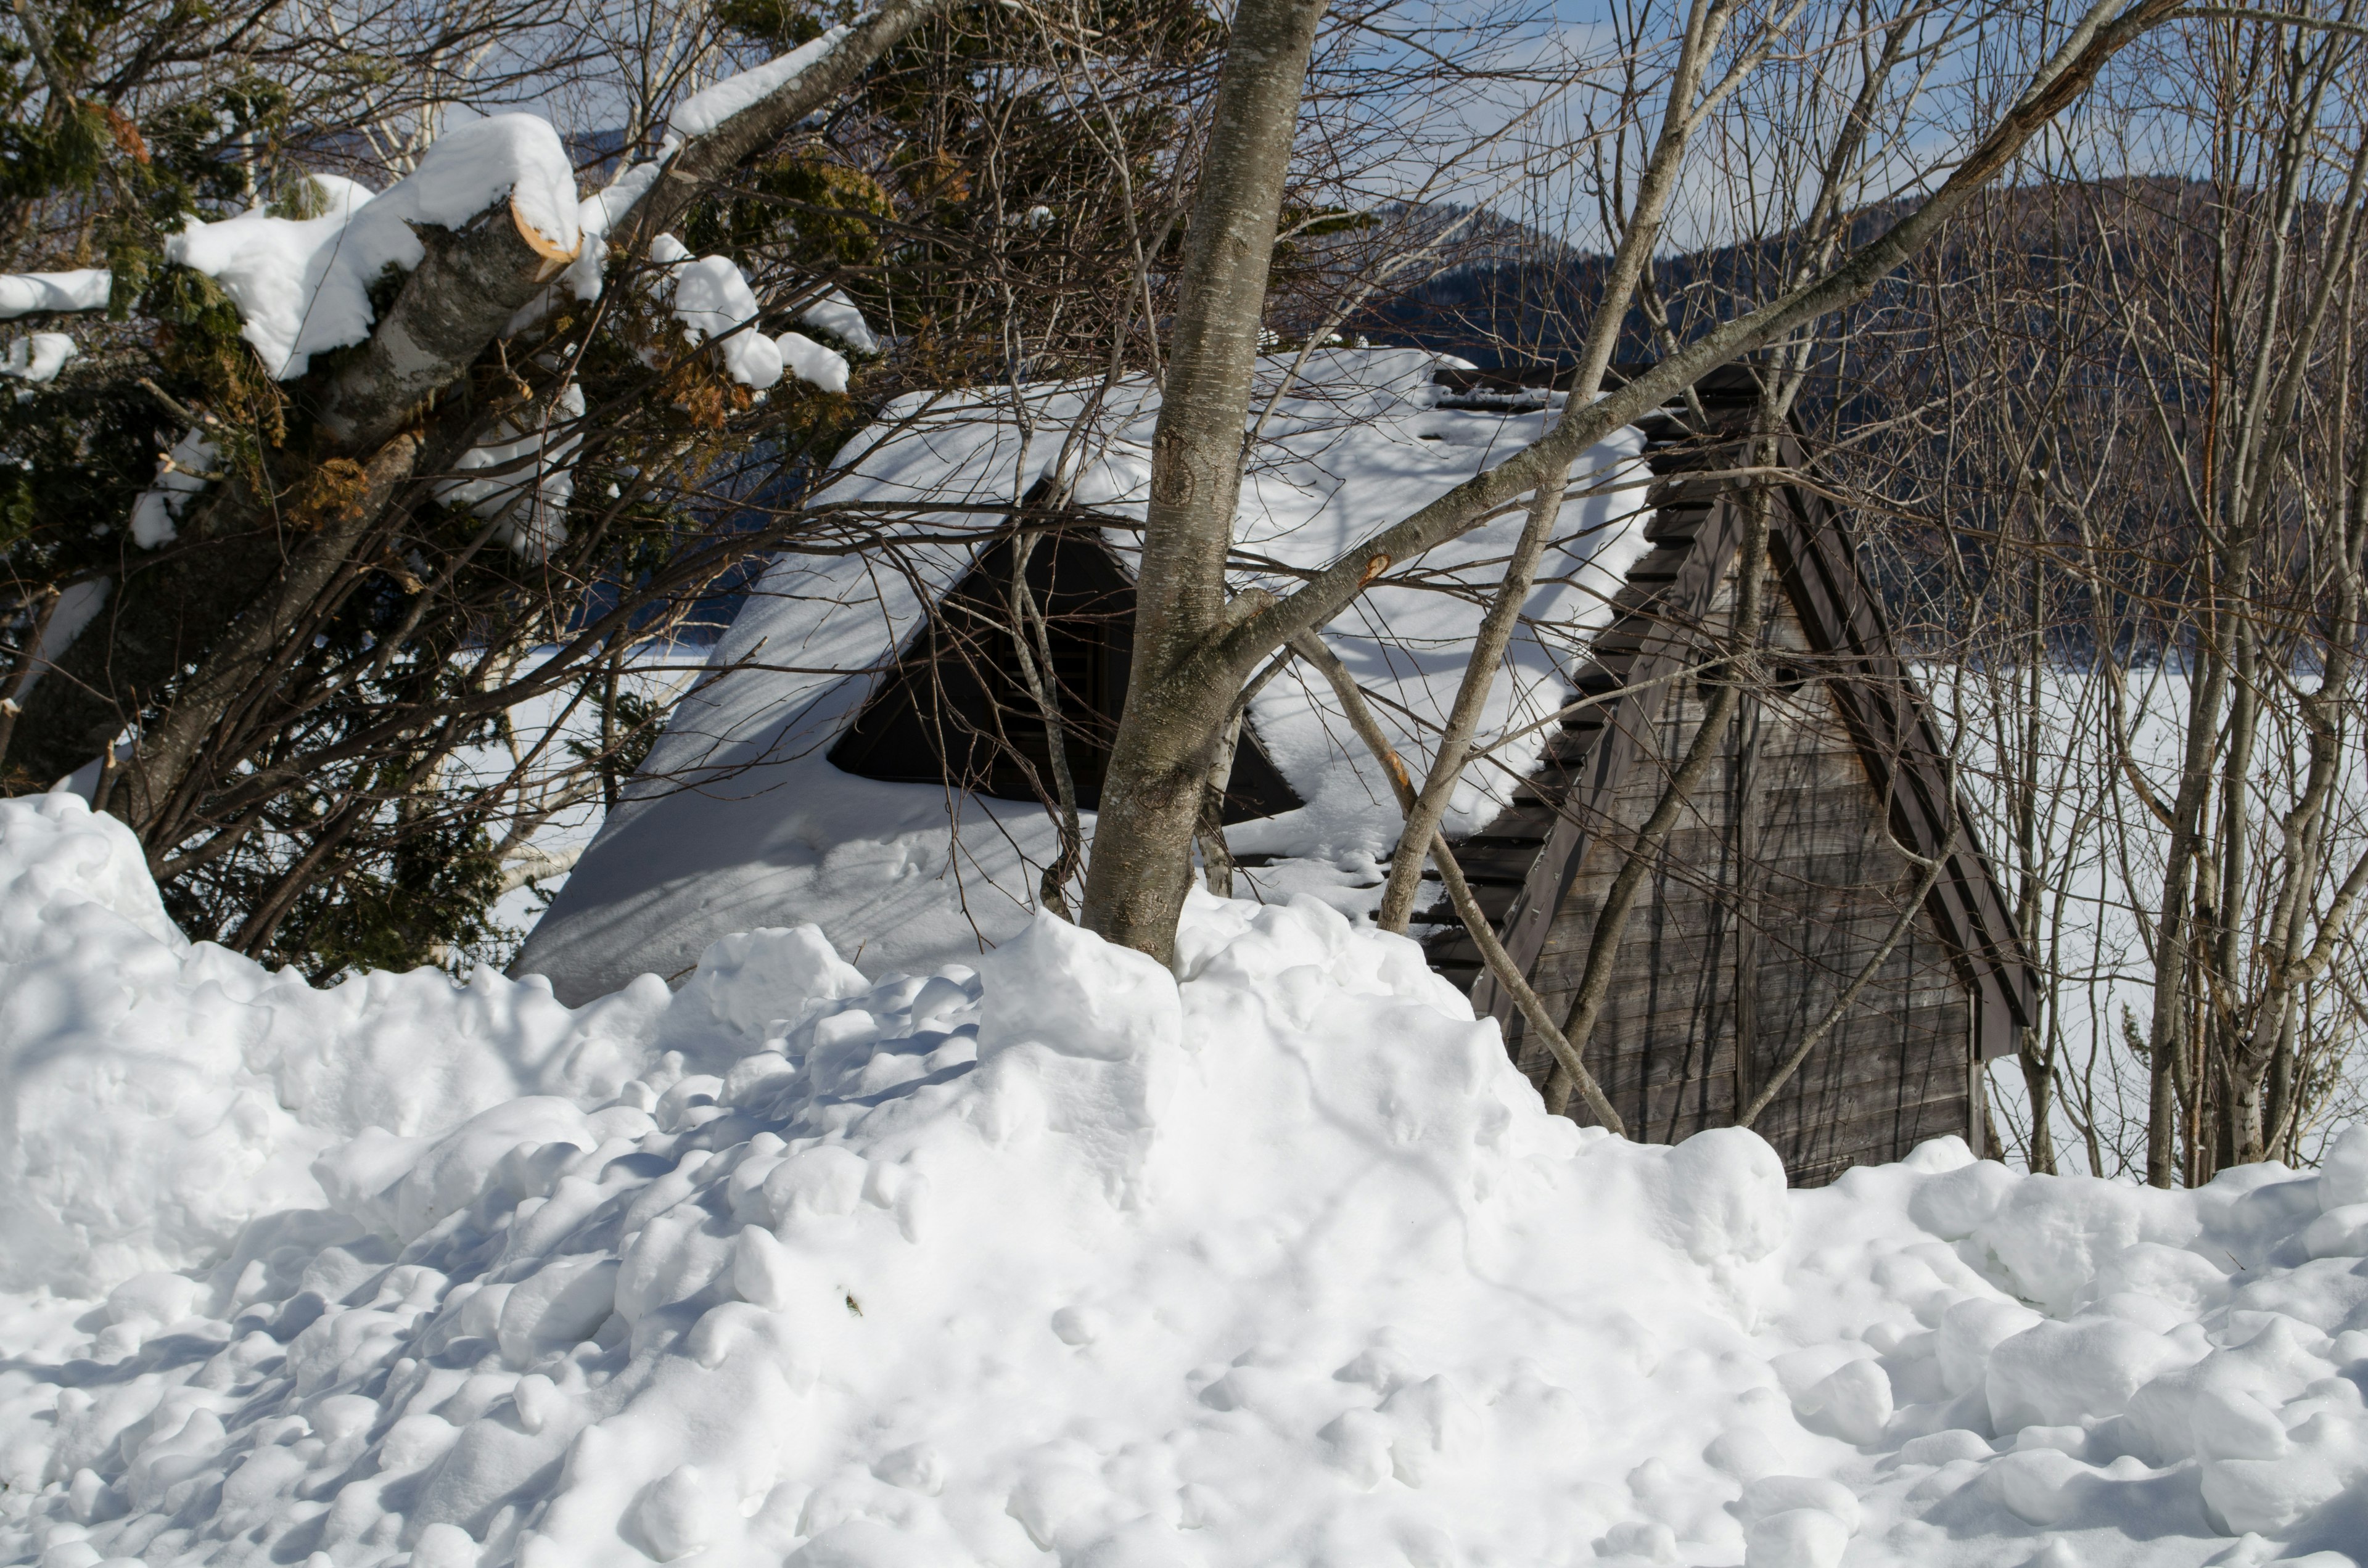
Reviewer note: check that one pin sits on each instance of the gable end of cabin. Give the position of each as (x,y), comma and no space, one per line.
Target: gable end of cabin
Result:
(1787,873)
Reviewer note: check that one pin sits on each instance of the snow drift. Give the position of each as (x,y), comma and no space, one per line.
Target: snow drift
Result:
(1065,1260)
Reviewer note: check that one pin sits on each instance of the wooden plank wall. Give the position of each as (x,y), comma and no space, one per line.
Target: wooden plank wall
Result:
(1774,890)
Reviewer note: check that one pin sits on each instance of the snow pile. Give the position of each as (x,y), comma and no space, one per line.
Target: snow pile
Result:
(26,293)
(1067,1262)
(155,1096)
(181,475)
(711,300)
(302,285)
(38,358)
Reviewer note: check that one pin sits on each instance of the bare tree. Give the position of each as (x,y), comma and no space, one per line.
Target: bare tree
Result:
(2118,484)
(1200,648)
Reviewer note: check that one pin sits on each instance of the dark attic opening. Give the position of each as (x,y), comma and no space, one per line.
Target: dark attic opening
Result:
(957,711)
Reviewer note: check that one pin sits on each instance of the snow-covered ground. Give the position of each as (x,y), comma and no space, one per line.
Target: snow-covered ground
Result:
(555,734)
(1063,1261)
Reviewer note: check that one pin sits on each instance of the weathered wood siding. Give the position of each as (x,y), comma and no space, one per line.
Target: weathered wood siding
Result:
(1776,885)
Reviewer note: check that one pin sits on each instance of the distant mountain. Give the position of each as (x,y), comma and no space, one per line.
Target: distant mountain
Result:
(1513,295)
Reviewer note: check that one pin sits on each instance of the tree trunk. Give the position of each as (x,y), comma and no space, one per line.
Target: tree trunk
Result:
(2166,1039)
(2039,1084)
(160,614)
(1182,688)
(167,753)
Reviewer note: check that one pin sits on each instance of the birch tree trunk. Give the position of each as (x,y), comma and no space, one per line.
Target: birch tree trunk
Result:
(1182,688)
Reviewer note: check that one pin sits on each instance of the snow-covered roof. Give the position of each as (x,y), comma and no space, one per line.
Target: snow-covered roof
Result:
(741,821)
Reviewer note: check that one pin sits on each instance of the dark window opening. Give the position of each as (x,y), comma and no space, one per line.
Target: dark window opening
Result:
(957,711)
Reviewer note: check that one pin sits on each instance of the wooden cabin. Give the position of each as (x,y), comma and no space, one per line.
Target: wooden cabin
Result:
(877,732)
(1784,876)
(860,752)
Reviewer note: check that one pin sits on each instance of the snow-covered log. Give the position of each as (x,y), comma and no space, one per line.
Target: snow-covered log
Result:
(472,284)
(31,293)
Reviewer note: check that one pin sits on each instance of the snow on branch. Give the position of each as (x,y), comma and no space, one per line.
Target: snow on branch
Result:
(813,363)
(835,315)
(302,285)
(712,299)
(706,109)
(597,216)
(27,293)
(524,476)
(180,474)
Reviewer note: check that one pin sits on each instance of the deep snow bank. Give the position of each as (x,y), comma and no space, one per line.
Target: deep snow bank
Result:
(1065,1261)
(157,1095)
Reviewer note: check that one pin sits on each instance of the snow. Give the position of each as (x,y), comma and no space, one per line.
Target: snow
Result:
(835,315)
(768,831)
(26,293)
(2099,861)
(39,357)
(76,604)
(302,285)
(706,109)
(159,1094)
(526,476)
(713,299)
(811,363)
(1063,1259)
(157,514)
(598,213)
(596,216)
(565,804)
